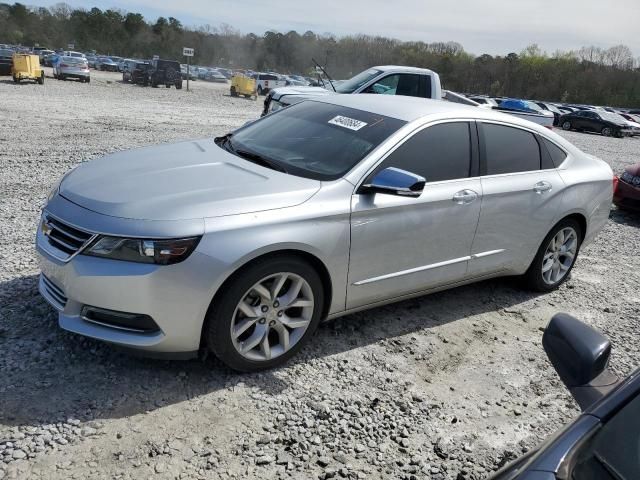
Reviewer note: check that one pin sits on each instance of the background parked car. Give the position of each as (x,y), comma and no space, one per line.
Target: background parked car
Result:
(604,123)
(164,72)
(553,109)
(71,53)
(626,194)
(216,76)
(72,67)
(106,64)
(43,53)
(135,71)
(267,82)
(192,72)
(5,61)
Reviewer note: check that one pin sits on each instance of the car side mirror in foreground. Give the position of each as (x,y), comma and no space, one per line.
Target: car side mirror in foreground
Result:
(580,356)
(394,181)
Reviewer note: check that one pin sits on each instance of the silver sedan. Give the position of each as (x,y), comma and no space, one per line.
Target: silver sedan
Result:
(242,244)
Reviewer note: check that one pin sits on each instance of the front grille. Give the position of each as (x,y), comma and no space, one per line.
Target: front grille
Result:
(64,237)
(54,294)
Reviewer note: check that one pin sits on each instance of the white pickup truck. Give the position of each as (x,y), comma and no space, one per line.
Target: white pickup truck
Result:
(384,80)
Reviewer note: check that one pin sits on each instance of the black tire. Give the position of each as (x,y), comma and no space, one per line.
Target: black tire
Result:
(62,77)
(533,277)
(217,328)
(259,90)
(167,86)
(606,131)
(233,92)
(16,79)
(41,79)
(88,80)
(566,125)
(178,86)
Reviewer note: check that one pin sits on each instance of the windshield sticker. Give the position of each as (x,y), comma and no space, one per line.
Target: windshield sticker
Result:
(346,122)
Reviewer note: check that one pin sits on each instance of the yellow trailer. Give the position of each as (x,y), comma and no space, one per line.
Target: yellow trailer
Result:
(26,67)
(245,86)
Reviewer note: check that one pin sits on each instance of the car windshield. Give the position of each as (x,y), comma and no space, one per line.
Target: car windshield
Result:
(313,139)
(351,85)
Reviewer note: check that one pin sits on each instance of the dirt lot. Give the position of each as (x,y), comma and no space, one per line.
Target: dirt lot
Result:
(447,386)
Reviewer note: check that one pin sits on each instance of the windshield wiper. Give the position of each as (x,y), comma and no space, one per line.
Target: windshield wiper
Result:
(225,142)
(260,160)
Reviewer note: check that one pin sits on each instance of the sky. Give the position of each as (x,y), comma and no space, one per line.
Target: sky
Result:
(481,26)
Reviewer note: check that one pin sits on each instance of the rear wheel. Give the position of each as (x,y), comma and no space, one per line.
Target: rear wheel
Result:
(178,86)
(259,90)
(265,314)
(233,92)
(555,258)
(16,79)
(566,125)
(606,131)
(41,78)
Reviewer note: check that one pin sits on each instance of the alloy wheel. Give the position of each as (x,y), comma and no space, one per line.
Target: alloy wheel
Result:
(566,126)
(606,131)
(272,316)
(559,255)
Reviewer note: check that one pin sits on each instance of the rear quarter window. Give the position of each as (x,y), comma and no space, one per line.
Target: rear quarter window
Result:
(558,156)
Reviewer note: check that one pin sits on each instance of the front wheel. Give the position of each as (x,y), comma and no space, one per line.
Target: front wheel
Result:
(265,314)
(566,125)
(555,258)
(606,131)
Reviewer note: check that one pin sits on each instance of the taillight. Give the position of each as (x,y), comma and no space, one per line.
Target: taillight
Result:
(616,180)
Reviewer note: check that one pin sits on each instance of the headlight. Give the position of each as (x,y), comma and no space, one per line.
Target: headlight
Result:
(161,252)
(275,106)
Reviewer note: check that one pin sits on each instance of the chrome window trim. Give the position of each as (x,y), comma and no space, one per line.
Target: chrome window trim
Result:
(381,157)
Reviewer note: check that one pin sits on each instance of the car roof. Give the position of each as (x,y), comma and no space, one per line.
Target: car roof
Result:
(386,68)
(410,109)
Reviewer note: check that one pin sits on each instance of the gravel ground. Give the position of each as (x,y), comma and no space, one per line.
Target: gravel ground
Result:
(448,386)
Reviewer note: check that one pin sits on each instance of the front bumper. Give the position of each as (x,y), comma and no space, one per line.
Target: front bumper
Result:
(176,297)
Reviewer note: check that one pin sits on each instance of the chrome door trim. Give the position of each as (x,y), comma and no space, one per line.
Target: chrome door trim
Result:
(417,293)
(427,267)
(487,253)
(413,270)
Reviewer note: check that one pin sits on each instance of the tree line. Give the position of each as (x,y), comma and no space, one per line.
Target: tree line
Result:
(590,75)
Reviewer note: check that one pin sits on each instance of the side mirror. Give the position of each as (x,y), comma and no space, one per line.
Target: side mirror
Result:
(394,181)
(580,356)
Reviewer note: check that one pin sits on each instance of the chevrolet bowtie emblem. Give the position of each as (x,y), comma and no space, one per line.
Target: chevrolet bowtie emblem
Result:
(46,228)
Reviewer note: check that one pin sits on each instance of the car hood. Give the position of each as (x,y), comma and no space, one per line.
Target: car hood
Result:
(278,93)
(195,179)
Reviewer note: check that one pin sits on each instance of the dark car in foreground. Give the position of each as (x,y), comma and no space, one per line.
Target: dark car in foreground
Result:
(605,123)
(626,194)
(164,72)
(603,443)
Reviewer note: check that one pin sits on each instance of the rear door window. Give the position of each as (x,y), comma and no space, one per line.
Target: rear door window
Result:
(509,150)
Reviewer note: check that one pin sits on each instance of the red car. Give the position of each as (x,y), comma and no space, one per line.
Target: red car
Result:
(626,194)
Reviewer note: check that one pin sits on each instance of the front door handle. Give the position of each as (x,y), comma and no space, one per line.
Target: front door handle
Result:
(464,197)
(542,187)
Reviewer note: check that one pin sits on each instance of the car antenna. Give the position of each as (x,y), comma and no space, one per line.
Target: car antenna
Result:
(325,72)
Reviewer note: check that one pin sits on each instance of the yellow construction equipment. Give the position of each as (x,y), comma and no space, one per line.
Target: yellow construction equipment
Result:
(243,85)
(26,67)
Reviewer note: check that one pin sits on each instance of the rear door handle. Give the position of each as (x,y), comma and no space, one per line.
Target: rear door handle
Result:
(542,187)
(464,197)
